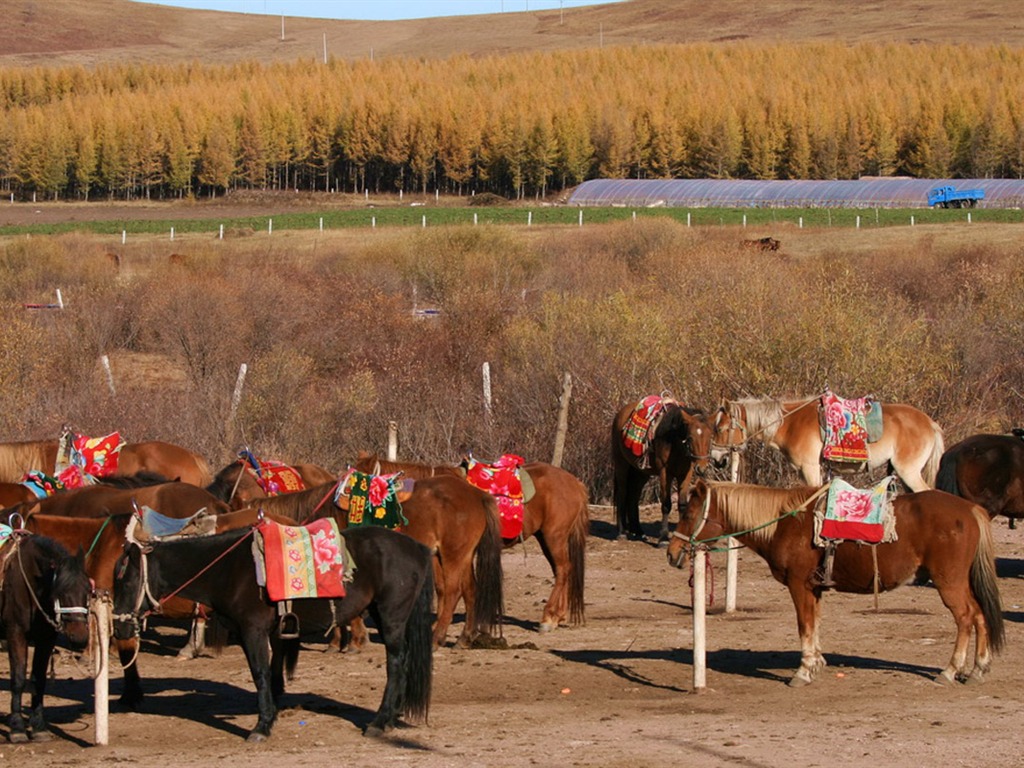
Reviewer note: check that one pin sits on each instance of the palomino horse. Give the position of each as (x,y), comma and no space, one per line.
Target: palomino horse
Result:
(166,459)
(911,442)
(458,522)
(392,579)
(681,444)
(45,592)
(236,484)
(558,515)
(948,537)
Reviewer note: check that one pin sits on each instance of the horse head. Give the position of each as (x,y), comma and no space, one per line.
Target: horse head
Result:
(692,523)
(132,598)
(728,434)
(72,589)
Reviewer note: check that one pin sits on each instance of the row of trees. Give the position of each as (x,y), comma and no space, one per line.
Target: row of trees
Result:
(515,125)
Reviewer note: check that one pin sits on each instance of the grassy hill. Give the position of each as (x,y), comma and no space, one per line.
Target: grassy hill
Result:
(37,32)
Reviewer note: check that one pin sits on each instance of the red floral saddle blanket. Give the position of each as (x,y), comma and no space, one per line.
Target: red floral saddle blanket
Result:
(296,561)
(81,458)
(854,514)
(273,477)
(848,426)
(504,480)
(373,499)
(639,429)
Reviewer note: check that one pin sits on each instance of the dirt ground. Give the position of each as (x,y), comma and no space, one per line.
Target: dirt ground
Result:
(615,692)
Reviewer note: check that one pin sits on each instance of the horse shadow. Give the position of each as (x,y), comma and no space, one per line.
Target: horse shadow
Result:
(773,666)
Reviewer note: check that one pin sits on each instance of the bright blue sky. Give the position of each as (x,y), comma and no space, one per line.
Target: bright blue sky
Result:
(379,10)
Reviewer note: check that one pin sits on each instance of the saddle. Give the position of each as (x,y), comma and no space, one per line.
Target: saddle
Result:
(641,426)
(509,484)
(369,499)
(273,477)
(80,458)
(847,427)
(846,514)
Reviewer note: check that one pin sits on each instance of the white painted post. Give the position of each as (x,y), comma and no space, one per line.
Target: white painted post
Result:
(732,556)
(321,225)
(968,217)
(424,221)
(110,375)
(172,233)
(474,219)
(99,611)
(700,664)
(858,221)
(800,223)
(529,218)
(486,370)
(392,441)
(437,195)
(744,220)
(236,398)
(634,217)
(373,222)
(221,231)
(581,217)
(124,236)
(60,299)
(911,221)
(687,218)
(270,226)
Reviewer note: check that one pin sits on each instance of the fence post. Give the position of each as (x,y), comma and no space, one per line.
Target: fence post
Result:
(563,419)
(392,441)
(732,555)
(99,611)
(700,665)
(236,398)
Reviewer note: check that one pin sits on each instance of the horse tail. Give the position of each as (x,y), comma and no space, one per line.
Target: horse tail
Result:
(931,467)
(290,649)
(984,584)
(489,600)
(945,479)
(206,474)
(419,650)
(577,558)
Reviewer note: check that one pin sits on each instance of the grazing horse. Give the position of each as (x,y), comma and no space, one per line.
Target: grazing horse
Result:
(166,459)
(948,537)
(45,592)
(392,579)
(558,515)
(460,525)
(910,442)
(988,470)
(680,445)
(237,485)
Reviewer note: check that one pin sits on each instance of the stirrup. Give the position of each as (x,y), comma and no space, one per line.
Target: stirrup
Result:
(288,623)
(822,575)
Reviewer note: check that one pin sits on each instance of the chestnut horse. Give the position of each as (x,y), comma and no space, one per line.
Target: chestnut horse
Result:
(910,442)
(948,537)
(460,525)
(236,484)
(681,444)
(167,459)
(988,470)
(558,515)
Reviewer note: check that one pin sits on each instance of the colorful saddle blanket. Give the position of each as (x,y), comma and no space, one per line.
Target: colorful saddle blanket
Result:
(848,426)
(273,477)
(40,484)
(373,499)
(853,514)
(295,561)
(504,480)
(80,457)
(641,426)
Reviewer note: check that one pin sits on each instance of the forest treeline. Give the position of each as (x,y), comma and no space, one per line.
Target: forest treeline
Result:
(517,125)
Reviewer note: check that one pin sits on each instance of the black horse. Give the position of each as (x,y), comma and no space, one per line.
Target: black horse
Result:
(393,579)
(988,470)
(680,444)
(45,593)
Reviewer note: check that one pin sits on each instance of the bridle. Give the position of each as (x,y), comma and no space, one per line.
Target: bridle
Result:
(145,603)
(735,425)
(692,538)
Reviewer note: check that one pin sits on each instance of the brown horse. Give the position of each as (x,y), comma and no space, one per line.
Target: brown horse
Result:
(948,537)
(165,459)
(558,515)
(458,522)
(681,445)
(988,470)
(14,493)
(910,442)
(237,485)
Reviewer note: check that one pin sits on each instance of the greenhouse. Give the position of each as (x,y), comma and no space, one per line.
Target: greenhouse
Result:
(739,193)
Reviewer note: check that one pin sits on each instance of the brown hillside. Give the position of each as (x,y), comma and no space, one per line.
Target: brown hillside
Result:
(95,31)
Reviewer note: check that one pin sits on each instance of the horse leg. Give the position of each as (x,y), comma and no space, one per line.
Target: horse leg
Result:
(467,588)
(17,654)
(358,636)
(556,610)
(448,594)
(131,695)
(665,492)
(256,644)
(807,603)
(38,727)
(811,472)
(196,644)
(627,487)
(966,614)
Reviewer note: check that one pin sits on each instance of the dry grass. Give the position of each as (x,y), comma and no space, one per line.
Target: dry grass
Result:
(79,31)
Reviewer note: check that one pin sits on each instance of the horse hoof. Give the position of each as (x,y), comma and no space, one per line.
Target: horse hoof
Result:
(256,738)
(798,682)
(18,737)
(943,679)
(374,731)
(42,736)
(546,626)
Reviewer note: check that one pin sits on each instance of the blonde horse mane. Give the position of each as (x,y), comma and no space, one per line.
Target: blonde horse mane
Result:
(18,458)
(763,416)
(744,506)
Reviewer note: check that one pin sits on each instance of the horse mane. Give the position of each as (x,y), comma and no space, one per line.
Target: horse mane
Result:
(415,470)
(141,479)
(15,457)
(763,415)
(746,506)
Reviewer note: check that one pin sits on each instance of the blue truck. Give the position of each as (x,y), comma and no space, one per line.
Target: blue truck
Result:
(951,197)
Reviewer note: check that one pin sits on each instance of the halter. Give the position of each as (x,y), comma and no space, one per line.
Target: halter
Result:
(736,425)
(692,538)
(136,619)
